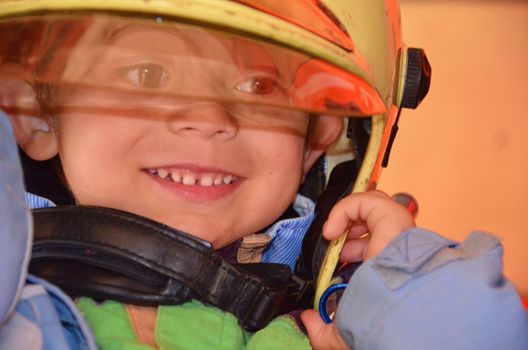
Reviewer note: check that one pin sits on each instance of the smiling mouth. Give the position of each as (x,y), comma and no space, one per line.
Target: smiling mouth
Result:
(190,178)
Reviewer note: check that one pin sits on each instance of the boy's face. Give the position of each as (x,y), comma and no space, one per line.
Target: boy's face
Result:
(214,159)
(200,172)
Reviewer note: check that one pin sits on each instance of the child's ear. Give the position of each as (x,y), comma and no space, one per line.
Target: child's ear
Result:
(35,136)
(324,132)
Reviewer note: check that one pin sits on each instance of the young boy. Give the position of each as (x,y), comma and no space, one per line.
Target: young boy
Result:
(203,131)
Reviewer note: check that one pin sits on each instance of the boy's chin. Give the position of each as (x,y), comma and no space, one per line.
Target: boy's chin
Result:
(216,242)
(219,231)
(213,235)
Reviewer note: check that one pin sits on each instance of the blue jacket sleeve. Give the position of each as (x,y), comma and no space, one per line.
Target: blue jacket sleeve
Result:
(427,292)
(15,234)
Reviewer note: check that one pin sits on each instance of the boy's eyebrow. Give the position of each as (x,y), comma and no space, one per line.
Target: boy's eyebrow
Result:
(129,28)
(243,49)
(260,54)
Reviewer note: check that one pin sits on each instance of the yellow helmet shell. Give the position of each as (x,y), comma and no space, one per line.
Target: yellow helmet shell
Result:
(372,25)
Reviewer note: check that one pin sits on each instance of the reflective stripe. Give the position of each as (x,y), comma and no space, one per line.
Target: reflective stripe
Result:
(31,291)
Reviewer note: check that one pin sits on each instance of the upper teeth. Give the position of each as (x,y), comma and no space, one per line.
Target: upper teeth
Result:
(188,178)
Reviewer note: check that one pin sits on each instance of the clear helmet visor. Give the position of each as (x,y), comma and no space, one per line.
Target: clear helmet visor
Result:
(115,65)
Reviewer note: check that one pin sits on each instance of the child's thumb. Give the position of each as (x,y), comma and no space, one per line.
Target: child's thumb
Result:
(322,336)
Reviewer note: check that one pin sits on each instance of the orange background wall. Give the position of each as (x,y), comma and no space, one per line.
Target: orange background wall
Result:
(463,153)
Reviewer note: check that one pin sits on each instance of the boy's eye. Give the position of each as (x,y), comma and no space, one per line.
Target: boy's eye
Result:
(259,85)
(146,75)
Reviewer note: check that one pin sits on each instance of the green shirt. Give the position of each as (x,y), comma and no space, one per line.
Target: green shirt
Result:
(191,326)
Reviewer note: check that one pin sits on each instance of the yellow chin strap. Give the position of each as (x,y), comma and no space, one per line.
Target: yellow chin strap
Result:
(363,181)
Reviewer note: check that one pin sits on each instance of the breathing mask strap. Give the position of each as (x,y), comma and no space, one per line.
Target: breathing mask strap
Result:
(109,254)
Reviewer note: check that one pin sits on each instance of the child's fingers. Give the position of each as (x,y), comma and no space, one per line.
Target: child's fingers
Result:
(370,208)
(322,336)
(354,250)
(340,217)
(373,212)
(358,229)
(353,208)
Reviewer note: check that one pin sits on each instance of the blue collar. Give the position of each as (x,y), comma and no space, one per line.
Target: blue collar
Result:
(287,235)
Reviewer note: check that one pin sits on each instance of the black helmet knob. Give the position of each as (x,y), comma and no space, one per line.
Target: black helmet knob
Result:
(418,78)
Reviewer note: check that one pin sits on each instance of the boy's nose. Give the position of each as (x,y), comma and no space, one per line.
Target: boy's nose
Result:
(205,120)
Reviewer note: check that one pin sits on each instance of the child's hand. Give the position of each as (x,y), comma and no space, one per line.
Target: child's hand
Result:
(372,212)
(322,336)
